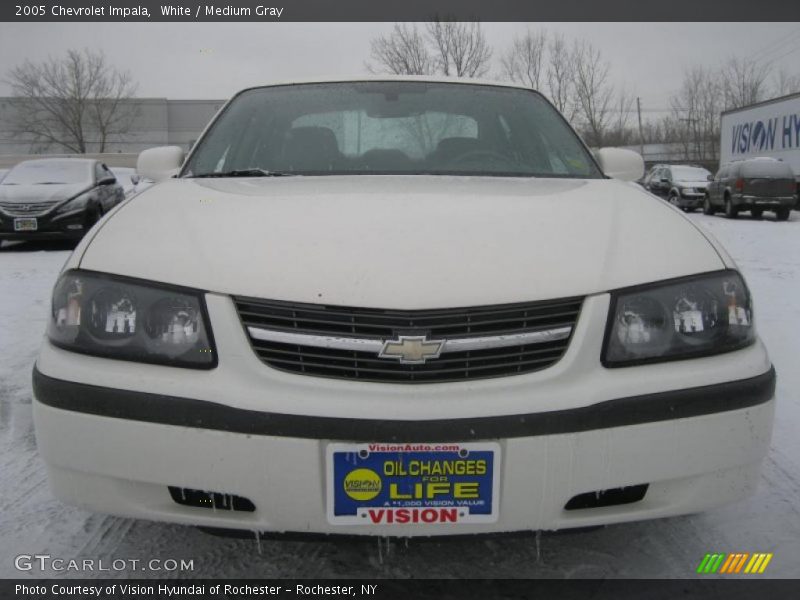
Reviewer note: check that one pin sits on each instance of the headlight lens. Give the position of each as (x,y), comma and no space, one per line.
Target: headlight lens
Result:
(696,316)
(112,317)
(78,203)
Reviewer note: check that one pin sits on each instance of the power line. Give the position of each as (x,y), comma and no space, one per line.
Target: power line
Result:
(772,46)
(792,51)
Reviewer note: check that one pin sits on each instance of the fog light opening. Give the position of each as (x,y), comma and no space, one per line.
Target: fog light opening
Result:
(610,497)
(210,500)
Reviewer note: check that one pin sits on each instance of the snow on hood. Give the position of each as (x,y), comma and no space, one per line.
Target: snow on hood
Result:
(699,183)
(399,242)
(31,194)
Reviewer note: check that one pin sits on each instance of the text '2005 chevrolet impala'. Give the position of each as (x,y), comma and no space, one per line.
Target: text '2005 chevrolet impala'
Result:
(399,307)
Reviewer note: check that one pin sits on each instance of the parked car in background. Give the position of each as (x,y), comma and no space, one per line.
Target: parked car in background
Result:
(56,198)
(651,172)
(755,184)
(683,186)
(130,180)
(768,128)
(399,307)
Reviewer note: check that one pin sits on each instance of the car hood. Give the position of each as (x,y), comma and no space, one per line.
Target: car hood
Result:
(33,194)
(702,184)
(399,242)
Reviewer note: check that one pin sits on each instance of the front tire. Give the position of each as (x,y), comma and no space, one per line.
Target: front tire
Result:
(673,199)
(730,210)
(782,214)
(92,216)
(708,209)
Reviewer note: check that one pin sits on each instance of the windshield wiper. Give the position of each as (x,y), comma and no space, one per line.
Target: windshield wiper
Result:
(255,172)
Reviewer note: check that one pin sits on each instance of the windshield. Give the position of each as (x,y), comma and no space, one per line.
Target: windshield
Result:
(48,172)
(690,174)
(391,128)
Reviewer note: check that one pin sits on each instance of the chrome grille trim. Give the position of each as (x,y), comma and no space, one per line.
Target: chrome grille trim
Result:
(346,342)
(316,341)
(27,209)
(375,345)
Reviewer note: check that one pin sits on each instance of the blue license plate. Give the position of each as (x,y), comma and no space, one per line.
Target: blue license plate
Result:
(413,484)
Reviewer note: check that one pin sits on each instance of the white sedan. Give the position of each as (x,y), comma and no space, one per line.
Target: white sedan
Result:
(399,307)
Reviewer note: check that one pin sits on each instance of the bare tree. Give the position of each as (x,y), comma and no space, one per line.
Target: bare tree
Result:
(523,61)
(446,48)
(74,102)
(460,49)
(785,83)
(593,90)
(744,81)
(559,77)
(403,52)
(695,112)
(619,134)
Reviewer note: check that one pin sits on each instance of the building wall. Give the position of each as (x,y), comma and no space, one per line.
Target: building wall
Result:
(159,122)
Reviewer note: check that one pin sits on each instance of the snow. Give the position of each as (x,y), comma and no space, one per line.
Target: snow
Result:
(32,522)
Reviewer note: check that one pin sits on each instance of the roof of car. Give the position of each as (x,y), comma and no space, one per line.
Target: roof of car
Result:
(60,159)
(375,78)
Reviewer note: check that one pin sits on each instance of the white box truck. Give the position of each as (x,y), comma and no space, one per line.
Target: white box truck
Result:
(770,128)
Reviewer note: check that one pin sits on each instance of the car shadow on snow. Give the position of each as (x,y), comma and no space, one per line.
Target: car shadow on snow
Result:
(36,245)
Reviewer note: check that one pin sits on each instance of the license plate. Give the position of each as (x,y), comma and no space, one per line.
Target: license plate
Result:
(413,484)
(26,224)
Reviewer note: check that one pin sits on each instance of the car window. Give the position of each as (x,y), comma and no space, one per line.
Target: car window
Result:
(690,173)
(416,136)
(771,169)
(392,128)
(49,172)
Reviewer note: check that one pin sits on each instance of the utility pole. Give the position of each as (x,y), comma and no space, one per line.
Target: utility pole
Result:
(641,135)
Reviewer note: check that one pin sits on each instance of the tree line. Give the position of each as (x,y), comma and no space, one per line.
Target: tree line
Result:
(577,79)
(81,103)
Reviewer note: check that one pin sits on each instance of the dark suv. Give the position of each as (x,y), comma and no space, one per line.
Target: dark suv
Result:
(683,186)
(756,184)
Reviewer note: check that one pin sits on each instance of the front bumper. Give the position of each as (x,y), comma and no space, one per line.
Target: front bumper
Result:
(744,202)
(49,227)
(116,435)
(691,199)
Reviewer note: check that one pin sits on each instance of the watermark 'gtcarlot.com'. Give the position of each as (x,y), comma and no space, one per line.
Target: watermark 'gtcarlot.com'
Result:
(46,562)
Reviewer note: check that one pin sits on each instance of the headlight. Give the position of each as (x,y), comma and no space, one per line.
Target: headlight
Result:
(695,316)
(78,203)
(119,318)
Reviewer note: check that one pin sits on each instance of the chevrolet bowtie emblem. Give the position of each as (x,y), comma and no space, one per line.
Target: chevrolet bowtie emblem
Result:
(412,349)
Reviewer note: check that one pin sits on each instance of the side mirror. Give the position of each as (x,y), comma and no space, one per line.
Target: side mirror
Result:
(160,163)
(135,179)
(626,165)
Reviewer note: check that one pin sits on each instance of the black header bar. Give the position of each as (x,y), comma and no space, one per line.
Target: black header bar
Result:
(400,10)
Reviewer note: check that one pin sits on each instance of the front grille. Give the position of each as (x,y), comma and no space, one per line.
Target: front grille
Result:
(21,209)
(368,323)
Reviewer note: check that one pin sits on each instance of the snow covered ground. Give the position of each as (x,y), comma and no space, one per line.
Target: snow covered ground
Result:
(32,522)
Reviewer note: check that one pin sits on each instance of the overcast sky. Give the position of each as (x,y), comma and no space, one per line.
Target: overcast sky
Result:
(214,60)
